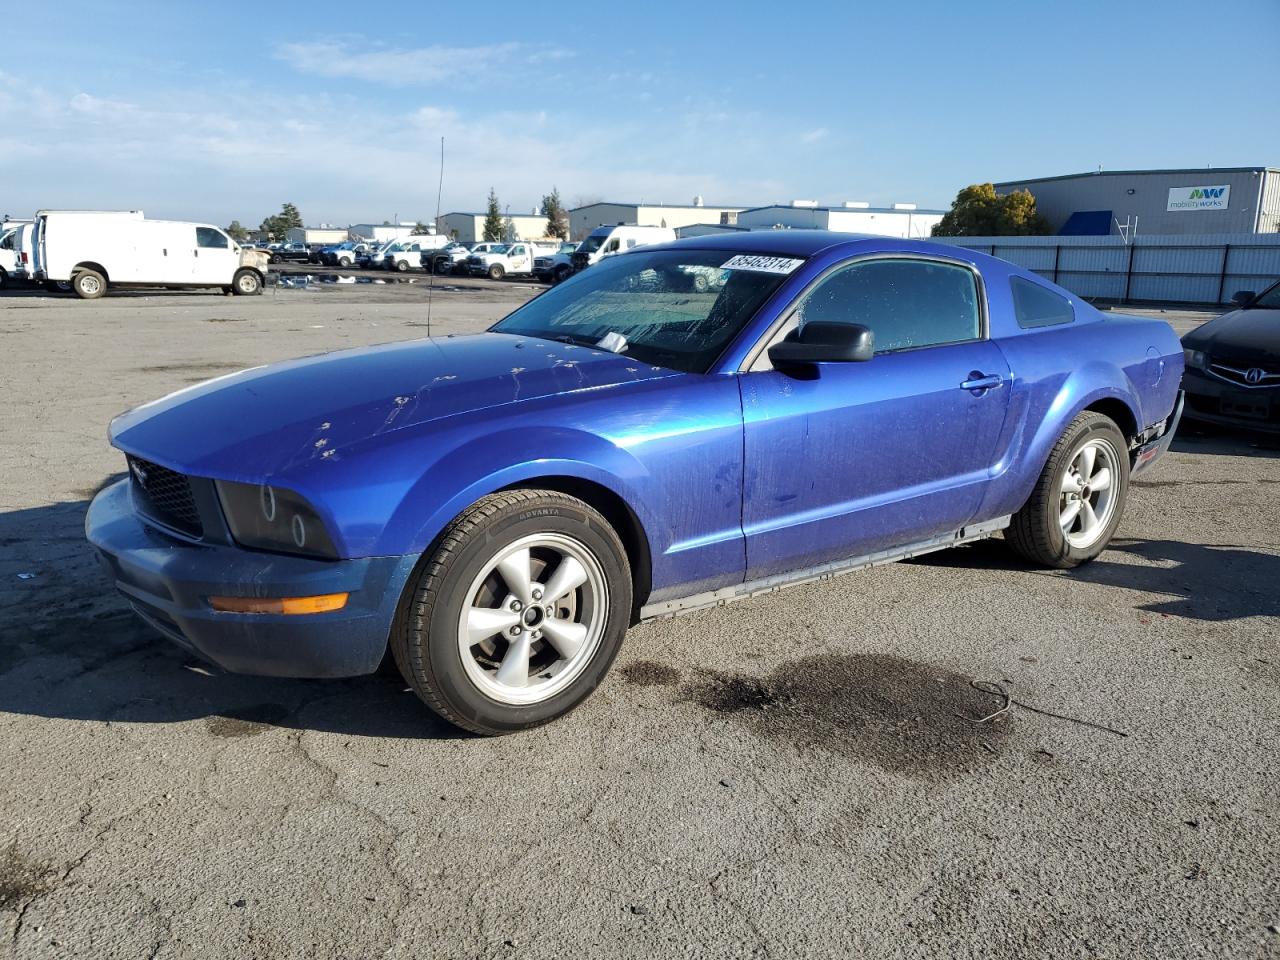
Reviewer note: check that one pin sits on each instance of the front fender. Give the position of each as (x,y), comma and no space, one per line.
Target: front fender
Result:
(485,464)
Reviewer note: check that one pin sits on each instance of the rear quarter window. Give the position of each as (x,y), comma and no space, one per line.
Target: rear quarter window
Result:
(1034,306)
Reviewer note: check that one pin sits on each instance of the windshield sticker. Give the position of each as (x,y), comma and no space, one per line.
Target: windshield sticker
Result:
(783,265)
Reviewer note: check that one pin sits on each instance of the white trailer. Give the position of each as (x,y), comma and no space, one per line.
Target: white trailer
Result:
(96,249)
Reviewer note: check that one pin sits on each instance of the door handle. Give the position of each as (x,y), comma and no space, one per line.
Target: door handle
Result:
(981,381)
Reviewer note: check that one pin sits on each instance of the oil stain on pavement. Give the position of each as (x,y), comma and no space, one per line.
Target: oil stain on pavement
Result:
(247,721)
(901,716)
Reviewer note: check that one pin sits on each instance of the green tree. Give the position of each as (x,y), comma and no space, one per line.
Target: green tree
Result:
(978,211)
(420,228)
(277,226)
(557,217)
(493,219)
(236,232)
(508,229)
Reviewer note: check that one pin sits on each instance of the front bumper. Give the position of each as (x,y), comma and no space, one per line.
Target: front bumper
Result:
(168,582)
(1211,399)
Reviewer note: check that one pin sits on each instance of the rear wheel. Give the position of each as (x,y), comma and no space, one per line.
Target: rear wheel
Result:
(247,283)
(402,266)
(519,613)
(1077,503)
(496,272)
(88,284)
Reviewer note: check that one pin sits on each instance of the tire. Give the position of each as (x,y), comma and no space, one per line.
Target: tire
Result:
(562,273)
(88,284)
(443,268)
(402,266)
(344,262)
(496,272)
(466,684)
(273,259)
(1038,531)
(247,283)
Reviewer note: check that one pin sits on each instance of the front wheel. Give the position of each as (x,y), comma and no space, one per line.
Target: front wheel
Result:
(562,273)
(496,272)
(402,266)
(518,614)
(246,283)
(1077,503)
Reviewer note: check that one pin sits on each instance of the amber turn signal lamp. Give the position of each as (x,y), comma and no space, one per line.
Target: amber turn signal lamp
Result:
(324,603)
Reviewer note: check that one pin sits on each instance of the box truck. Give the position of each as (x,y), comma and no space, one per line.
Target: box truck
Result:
(97,249)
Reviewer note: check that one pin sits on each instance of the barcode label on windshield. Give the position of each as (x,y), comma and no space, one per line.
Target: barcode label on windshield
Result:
(761,264)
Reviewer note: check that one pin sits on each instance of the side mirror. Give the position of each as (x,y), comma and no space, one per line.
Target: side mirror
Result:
(1243,298)
(824,342)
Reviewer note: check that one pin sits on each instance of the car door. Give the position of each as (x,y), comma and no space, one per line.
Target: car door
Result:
(518,258)
(847,459)
(215,257)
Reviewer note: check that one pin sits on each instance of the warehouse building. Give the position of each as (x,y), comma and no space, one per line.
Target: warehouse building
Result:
(1158,202)
(469,227)
(380,232)
(582,220)
(902,220)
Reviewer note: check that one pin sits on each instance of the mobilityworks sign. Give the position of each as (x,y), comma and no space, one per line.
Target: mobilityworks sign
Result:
(1199,198)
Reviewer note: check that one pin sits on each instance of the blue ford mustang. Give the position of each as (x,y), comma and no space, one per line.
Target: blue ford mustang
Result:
(676,427)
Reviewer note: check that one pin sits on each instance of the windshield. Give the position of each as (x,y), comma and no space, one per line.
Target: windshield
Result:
(592,243)
(672,308)
(567,248)
(1270,299)
(495,248)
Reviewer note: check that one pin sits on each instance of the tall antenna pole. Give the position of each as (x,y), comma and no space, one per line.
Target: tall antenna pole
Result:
(431,280)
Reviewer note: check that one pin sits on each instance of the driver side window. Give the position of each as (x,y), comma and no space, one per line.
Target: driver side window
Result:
(905,303)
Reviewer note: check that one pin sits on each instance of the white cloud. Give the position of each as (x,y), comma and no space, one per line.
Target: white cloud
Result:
(814,135)
(359,59)
(237,151)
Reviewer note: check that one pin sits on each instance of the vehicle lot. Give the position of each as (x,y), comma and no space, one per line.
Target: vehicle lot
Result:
(794,775)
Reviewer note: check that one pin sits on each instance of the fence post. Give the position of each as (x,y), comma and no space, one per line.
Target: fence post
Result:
(1128,274)
(1222,274)
(1057,253)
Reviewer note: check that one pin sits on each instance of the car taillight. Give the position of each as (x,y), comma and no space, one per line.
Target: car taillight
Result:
(24,256)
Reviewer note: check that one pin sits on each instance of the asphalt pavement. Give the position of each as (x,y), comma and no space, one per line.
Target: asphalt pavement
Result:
(797,775)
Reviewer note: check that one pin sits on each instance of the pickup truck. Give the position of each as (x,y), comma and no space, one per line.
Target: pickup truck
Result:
(506,260)
(407,253)
(497,509)
(293,253)
(555,267)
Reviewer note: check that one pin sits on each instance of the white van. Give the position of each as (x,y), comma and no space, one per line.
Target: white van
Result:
(95,249)
(9,255)
(606,241)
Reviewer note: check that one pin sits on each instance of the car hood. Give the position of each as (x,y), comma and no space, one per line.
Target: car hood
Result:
(1245,335)
(263,421)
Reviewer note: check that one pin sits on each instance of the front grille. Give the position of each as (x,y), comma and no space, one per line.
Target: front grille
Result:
(1246,375)
(166,496)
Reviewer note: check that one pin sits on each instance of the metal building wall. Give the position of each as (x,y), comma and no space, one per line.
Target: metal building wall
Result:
(1057,199)
(1269,221)
(1192,269)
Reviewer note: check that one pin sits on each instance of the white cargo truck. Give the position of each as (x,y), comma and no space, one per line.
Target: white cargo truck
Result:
(97,249)
(508,259)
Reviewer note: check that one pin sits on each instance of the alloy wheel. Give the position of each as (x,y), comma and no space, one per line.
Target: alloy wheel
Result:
(1088,497)
(533,619)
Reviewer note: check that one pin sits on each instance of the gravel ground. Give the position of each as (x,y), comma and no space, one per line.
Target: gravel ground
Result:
(791,776)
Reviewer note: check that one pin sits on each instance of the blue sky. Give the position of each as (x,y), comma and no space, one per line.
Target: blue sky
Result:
(214,111)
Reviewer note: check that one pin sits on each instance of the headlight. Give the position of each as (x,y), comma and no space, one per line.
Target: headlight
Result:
(273,518)
(1193,358)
